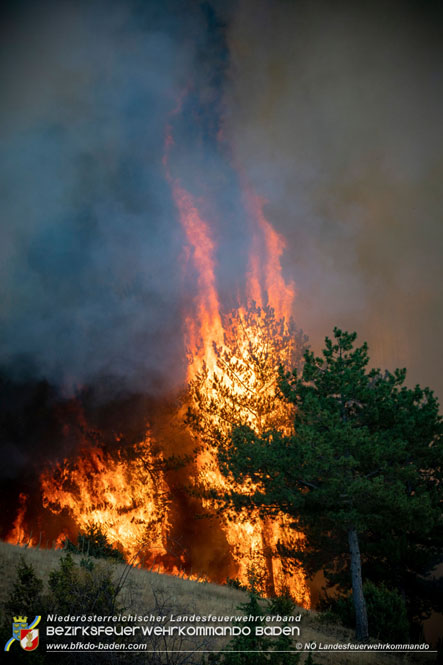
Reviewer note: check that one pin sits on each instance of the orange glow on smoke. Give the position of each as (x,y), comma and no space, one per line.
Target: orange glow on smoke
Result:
(204,326)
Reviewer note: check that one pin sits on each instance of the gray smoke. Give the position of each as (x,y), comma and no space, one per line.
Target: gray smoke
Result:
(90,242)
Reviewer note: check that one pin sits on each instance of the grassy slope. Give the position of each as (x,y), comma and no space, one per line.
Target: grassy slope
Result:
(186,597)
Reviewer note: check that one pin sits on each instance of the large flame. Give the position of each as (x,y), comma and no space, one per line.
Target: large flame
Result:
(231,374)
(204,327)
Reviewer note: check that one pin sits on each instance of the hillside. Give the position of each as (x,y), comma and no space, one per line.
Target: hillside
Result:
(145,592)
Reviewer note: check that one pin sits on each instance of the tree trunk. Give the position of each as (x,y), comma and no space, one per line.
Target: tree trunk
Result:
(361,617)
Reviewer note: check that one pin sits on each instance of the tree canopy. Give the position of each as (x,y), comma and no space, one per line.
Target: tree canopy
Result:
(364,459)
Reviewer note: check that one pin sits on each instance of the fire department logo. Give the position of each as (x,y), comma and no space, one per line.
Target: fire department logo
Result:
(26,634)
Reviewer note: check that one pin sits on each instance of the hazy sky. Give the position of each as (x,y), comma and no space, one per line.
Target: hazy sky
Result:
(335,109)
(332,110)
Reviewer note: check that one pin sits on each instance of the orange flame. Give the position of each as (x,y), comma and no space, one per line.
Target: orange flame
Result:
(125,495)
(266,276)
(18,534)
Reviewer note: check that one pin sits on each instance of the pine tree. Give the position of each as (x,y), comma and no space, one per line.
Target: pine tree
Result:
(365,457)
(25,598)
(253,649)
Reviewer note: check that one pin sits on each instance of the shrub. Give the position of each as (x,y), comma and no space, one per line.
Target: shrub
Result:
(282,604)
(386,609)
(79,589)
(25,598)
(82,589)
(235,583)
(93,542)
(256,649)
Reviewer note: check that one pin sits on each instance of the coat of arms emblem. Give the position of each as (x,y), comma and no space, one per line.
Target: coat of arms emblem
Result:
(26,634)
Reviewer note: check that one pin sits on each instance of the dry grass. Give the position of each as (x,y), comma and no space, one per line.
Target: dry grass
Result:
(144,590)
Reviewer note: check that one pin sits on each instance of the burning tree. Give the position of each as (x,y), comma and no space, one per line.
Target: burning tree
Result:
(240,386)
